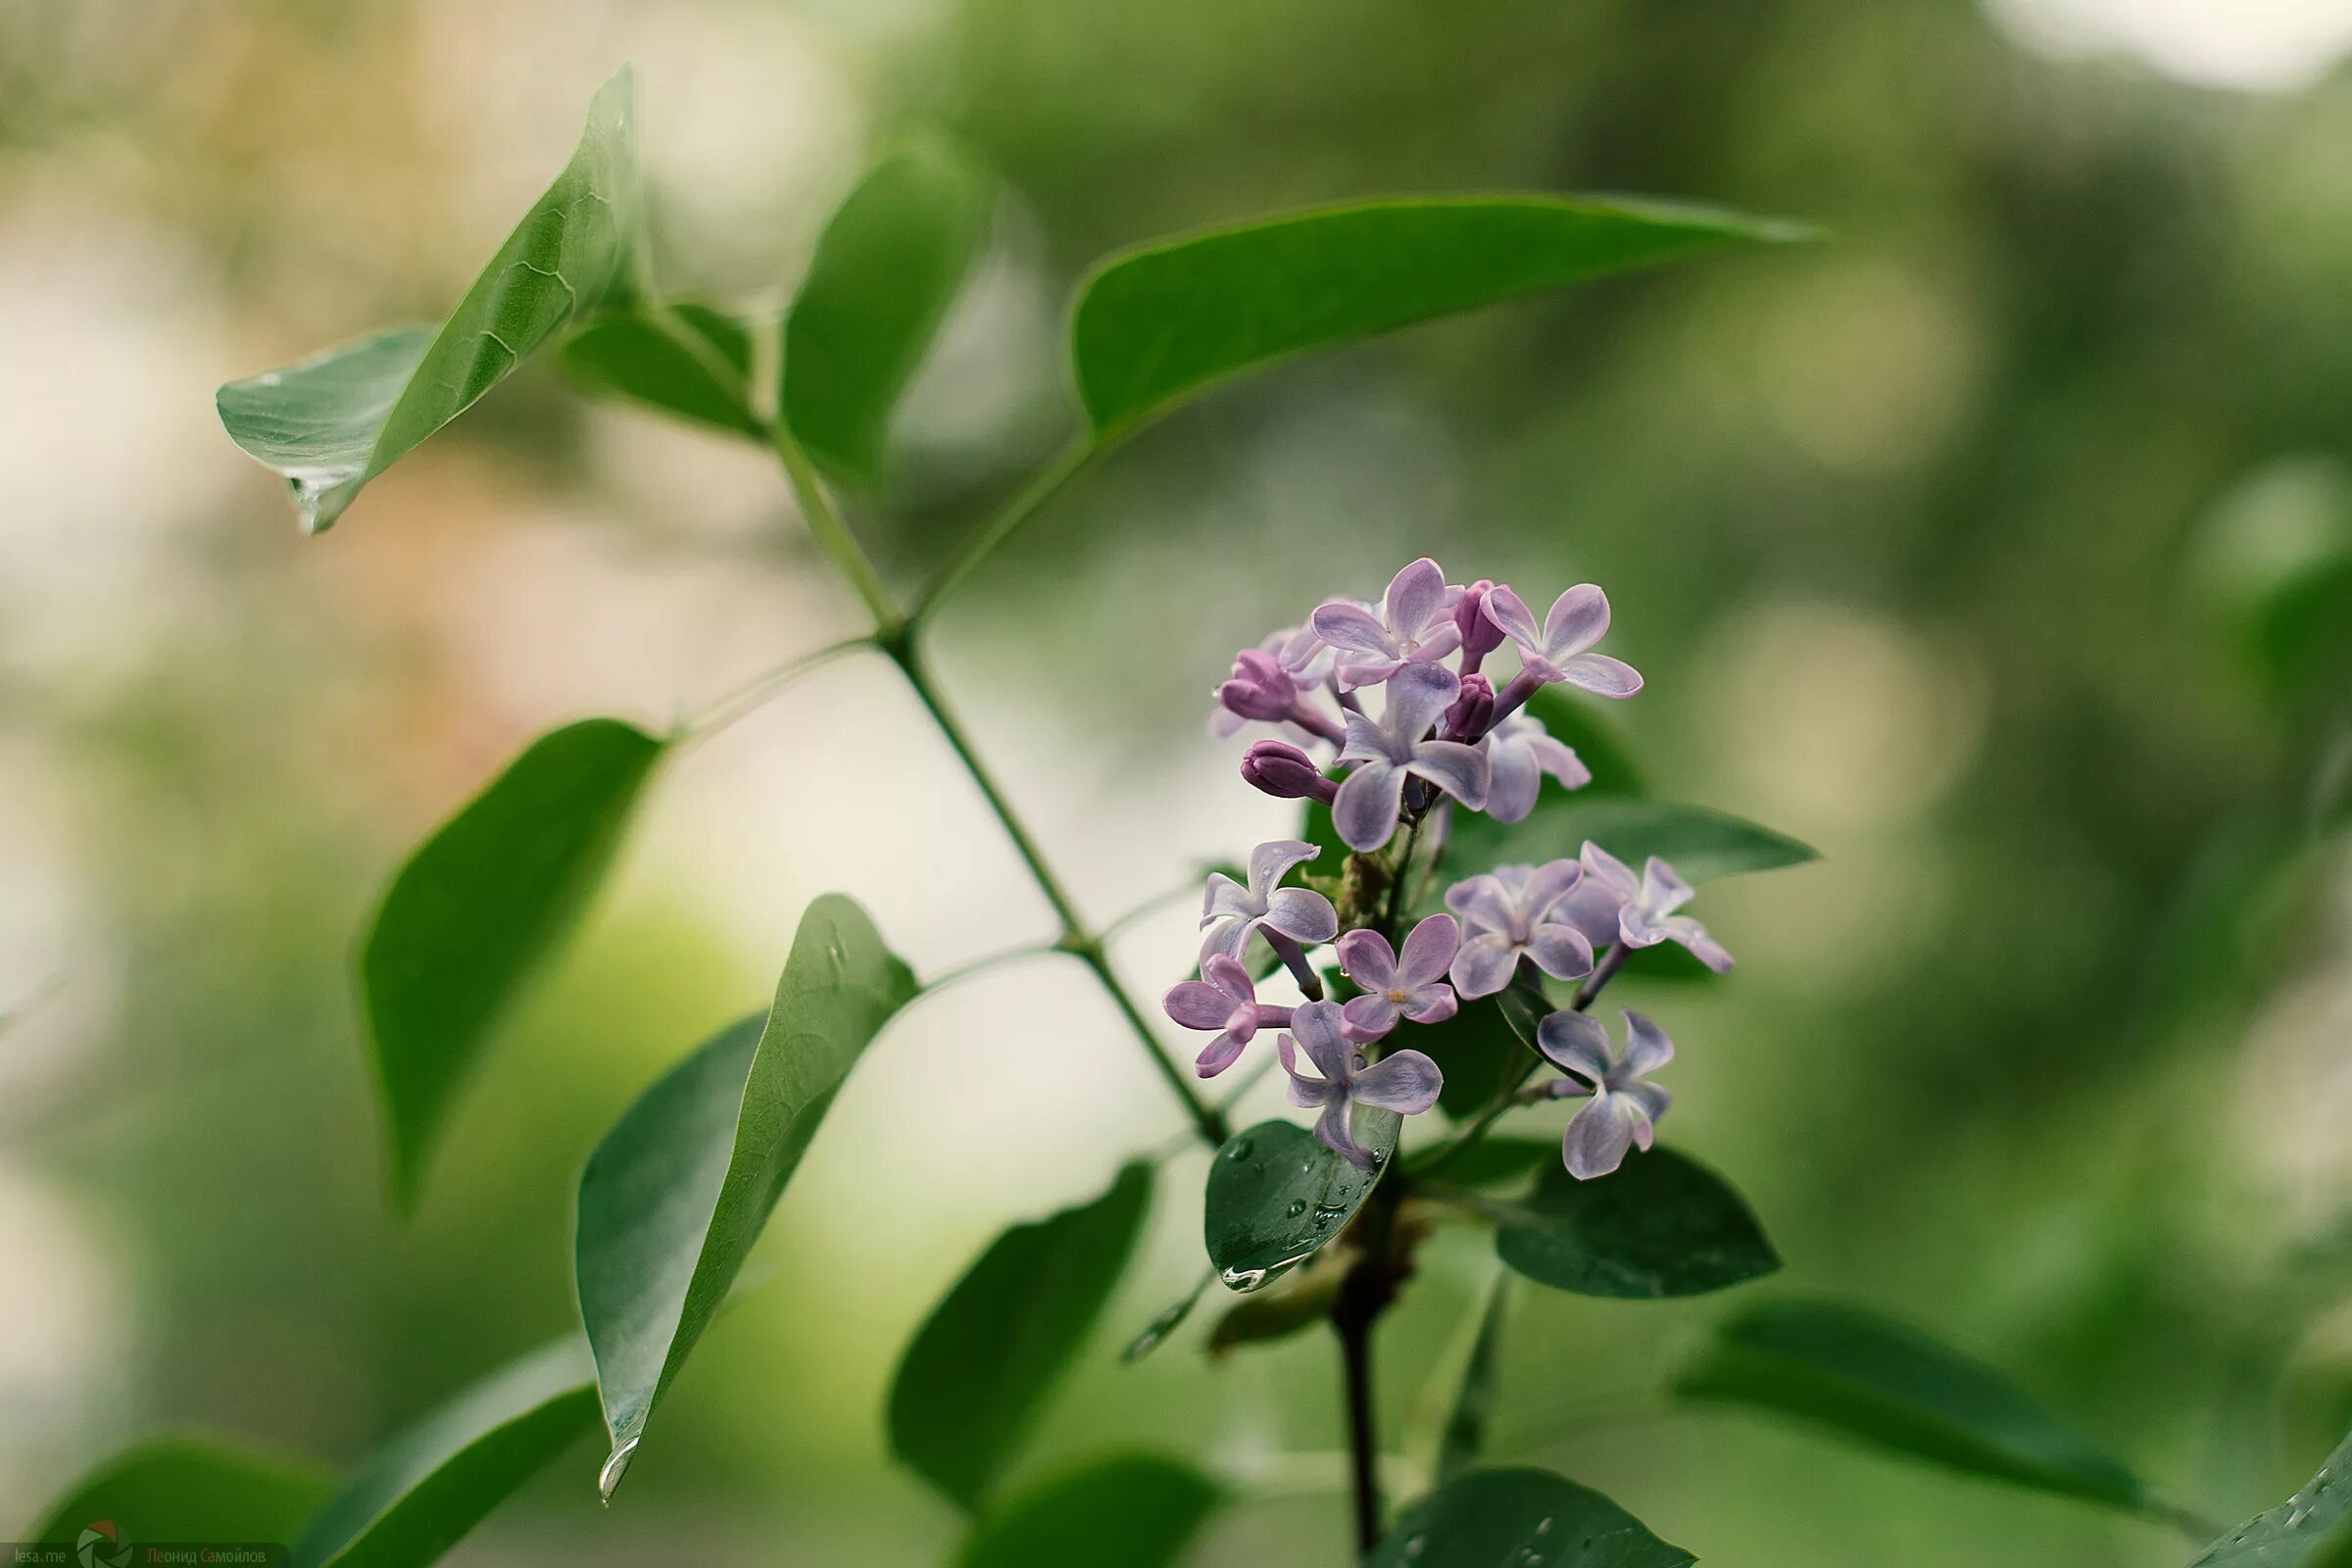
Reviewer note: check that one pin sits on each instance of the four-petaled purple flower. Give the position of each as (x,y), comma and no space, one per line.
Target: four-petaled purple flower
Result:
(1646,915)
(1625,1108)
(1224,999)
(1230,912)
(1519,753)
(1556,651)
(1512,912)
(1411,985)
(1415,626)
(1365,809)
(1402,1081)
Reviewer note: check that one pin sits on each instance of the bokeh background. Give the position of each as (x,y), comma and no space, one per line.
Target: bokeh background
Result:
(1998,545)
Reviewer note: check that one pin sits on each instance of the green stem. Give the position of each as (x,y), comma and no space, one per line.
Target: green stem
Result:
(1018,511)
(833,535)
(749,695)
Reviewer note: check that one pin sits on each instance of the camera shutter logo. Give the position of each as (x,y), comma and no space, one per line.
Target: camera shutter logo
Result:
(102,1545)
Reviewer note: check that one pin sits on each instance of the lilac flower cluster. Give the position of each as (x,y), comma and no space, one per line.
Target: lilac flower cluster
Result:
(1443,737)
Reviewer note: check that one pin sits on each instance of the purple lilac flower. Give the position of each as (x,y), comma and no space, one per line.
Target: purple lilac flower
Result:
(1414,625)
(1557,651)
(1230,912)
(1472,712)
(1411,985)
(1404,1081)
(1225,999)
(1304,674)
(1625,1108)
(1510,914)
(1647,916)
(1365,809)
(1286,773)
(1479,633)
(1519,753)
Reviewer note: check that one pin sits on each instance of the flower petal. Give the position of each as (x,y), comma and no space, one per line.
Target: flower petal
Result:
(1366,808)
(1402,1081)
(1366,958)
(1218,1054)
(1507,609)
(1598,1137)
(1592,909)
(1560,760)
(1197,1005)
(1267,864)
(1599,674)
(1316,1027)
(1304,1091)
(1351,628)
(1576,1043)
(1365,1018)
(1609,871)
(1332,1130)
(1547,884)
(1224,897)
(1457,769)
(1662,891)
(1485,964)
(1418,697)
(1302,914)
(1653,1102)
(1229,977)
(1366,741)
(1414,598)
(1227,938)
(1513,779)
(1434,1003)
(1690,934)
(1579,618)
(1560,950)
(1429,949)
(1481,902)
(1646,1048)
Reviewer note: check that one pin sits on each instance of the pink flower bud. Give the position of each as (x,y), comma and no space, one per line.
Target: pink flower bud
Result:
(1472,712)
(1480,635)
(1260,688)
(1286,773)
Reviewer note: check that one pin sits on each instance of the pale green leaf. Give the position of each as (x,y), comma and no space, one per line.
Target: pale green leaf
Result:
(686,360)
(1464,1437)
(1700,844)
(2313,1528)
(188,1487)
(1134,1512)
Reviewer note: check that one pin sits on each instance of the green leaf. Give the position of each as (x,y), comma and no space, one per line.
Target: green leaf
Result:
(678,1192)
(687,360)
(1465,1436)
(190,1488)
(1481,1055)
(978,1372)
(1137,1511)
(1275,1197)
(1580,724)
(1702,844)
(425,1488)
(478,908)
(1895,1388)
(886,269)
(2313,1528)
(332,424)
(1514,1518)
(1492,1161)
(1662,1225)
(1298,1302)
(1158,323)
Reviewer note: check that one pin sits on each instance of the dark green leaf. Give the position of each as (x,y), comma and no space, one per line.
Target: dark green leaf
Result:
(425,1488)
(686,360)
(1479,1053)
(885,271)
(1578,724)
(1299,1301)
(1493,1161)
(678,1192)
(2313,1528)
(1514,1518)
(478,908)
(1702,845)
(1465,1436)
(1135,1511)
(1275,1197)
(1157,324)
(332,424)
(1170,1319)
(978,1372)
(190,1488)
(1895,1388)
(1662,1225)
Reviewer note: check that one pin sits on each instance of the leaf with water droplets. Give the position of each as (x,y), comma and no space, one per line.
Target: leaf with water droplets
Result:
(1295,1303)
(1660,1225)
(479,909)
(678,1192)
(1895,1388)
(423,1490)
(1137,1511)
(191,1489)
(2313,1528)
(978,1372)
(332,424)
(1276,1196)
(684,359)
(1521,1519)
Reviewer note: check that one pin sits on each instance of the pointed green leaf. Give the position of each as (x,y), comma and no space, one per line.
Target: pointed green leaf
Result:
(886,269)
(1889,1386)
(1481,1055)
(678,1192)
(2313,1528)
(476,911)
(1158,323)
(1514,1518)
(687,360)
(1135,1511)
(1276,1196)
(1495,1160)
(978,1372)
(1702,845)
(1662,1225)
(1465,1436)
(420,1494)
(191,1489)
(1580,724)
(332,424)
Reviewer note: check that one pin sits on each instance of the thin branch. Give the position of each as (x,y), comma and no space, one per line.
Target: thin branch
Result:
(1049,479)
(753,692)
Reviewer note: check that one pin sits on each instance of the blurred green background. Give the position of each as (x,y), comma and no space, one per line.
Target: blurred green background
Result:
(1998,546)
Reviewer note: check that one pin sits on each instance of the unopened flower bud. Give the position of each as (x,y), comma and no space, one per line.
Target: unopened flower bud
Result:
(1260,688)
(1480,635)
(1472,712)
(1286,773)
